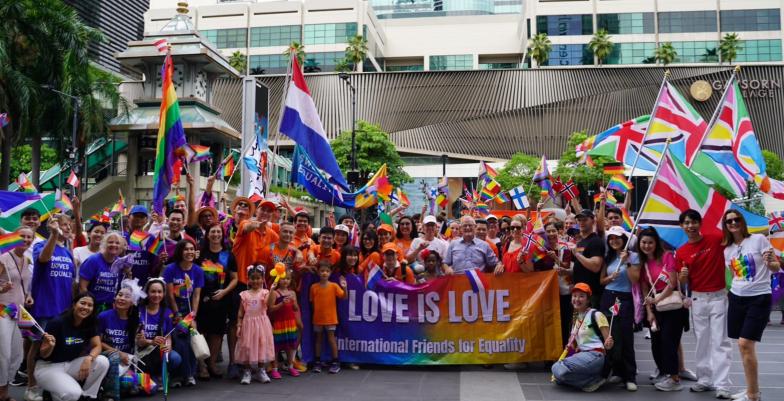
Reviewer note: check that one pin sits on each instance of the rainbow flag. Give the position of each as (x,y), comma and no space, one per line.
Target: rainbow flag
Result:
(613,169)
(24,184)
(442,201)
(402,197)
(213,270)
(228,167)
(482,208)
(10,241)
(627,222)
(171,137)
(197,153)
(154,244)
(501,198)
(184,325)
(137,239)
(384,188)
(611,201)
(619,183)
(9,310)
(119,206)
(62,202)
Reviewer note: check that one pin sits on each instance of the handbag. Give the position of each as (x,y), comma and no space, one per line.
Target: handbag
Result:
(199,346)
(672,302)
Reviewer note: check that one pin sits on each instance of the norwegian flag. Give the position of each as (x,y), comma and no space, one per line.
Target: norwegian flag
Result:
(162,45)
(569,190)
(73,180)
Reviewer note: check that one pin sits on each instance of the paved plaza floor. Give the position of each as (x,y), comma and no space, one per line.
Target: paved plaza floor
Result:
(464,383)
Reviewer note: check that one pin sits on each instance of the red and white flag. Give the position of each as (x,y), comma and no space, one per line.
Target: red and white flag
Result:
(162,45)
(73,180)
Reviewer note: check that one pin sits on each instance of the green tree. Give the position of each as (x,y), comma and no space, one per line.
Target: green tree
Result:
(539,48)
(239,62)
(774,166)
(729,46)
(373,150)
(665,53)
(356,51)
(519,170)
(601,46)
(343,65)
(21,159)
(298,49)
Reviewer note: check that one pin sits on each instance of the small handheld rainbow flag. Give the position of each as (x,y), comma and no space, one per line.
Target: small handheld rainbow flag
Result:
(10,241)
(627,222)
(619,183)
(137,240)
(9,311)
(119,206)
(402,197)
(613,169)
(197,153)
(24,184)
(213,270)
(482,208)
(501,198)
(610,199)
(228,167)
(62,202)
(154,244)
(184,325)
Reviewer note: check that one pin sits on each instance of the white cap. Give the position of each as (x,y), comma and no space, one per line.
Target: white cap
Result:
(430,219)
(492,216)
(342,227)
(617,231)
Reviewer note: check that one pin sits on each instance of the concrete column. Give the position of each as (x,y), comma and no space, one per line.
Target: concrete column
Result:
(132,168)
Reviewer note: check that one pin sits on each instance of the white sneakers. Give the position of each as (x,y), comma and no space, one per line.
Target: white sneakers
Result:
(245,377)
(34,393)
(261,376)
(668,384)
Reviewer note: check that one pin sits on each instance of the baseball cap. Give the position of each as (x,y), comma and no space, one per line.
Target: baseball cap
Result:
(389,247)
(491,217)
(386,227)
(585,213)
(430,219)
(268,204)
(342,227)
(582,287)
(617,231)
(139,209)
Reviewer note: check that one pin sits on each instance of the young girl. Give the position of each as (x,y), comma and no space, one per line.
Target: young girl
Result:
(432,266)
(283,309)
(255,343)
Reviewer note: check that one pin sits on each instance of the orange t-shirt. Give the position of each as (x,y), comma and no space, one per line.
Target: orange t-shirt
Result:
(493,247)
(333,256)
(248,246)
(325,305)
(273,253)
(298,241)
(403,244)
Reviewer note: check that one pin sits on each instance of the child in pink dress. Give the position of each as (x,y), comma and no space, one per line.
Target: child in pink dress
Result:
(255,343)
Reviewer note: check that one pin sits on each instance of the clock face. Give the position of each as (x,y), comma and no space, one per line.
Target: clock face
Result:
(701,91)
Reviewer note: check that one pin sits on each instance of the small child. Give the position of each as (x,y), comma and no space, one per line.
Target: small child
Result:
(324,295)
(285,320)
(432,266)
(255,343)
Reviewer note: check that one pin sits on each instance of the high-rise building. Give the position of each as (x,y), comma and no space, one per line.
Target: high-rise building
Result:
(412,35)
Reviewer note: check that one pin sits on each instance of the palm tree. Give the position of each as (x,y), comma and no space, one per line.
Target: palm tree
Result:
(729,46)
(343,65)
(665,53)
(600,45)
(298,49)
(44,43)
(539,48)
(356,51)
(239,62)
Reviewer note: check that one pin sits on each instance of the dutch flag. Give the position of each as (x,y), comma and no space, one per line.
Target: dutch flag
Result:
(476,280)
(302,124)
(374,276)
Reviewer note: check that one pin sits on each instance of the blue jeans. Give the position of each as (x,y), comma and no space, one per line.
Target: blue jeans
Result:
(189,365)
(579,370)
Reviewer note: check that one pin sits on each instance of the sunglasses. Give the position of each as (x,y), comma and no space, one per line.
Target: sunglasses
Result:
(515,228)
(735,220)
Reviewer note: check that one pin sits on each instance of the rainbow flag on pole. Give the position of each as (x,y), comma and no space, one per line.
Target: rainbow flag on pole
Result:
(171,137)
(620,184)
(24,183)
(10,241)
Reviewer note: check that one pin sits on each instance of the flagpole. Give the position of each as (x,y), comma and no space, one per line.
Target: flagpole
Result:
(648,128)
(287,83)
(650,189)
(716,112)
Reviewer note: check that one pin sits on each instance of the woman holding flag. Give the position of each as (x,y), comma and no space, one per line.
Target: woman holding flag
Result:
(664,317)
(15,275)
(155,327)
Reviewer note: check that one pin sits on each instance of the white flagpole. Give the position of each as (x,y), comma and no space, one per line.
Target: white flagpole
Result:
(273,164)
(650,189)
(648,128)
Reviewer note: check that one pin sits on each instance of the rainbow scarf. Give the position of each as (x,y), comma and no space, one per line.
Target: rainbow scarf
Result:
(213,270)
(743,267)
(10,241)
(171,137)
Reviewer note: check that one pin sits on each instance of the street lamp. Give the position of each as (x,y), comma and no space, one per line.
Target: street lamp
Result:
(73,150)
(353,175)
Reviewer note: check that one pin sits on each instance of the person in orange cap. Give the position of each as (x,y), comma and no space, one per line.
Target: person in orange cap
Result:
(583,366)
(393,268)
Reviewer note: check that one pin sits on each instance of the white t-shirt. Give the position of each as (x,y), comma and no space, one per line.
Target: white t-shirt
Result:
(81,254)
(437,244)
(750,274)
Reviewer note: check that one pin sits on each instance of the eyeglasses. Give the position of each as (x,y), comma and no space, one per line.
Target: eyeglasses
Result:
(515,228)
(735,220)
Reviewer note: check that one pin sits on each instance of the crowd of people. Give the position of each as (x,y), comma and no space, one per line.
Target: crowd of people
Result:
(105,308)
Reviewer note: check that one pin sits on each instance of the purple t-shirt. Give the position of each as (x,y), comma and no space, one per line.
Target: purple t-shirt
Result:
(52,282)
(114,331)
(159,324)
(98,272)
(141,262)
(175,275)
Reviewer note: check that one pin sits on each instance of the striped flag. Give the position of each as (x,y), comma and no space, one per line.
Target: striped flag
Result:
(62,202)
(501,198)
(486,172)
(613,169)
(622,142)
(519,198)
(162,45)
(196,153)
(10,241)
(620,184)
(73,180)
(375,274)
(476,279)
(13,202)
(776,222)
(25,184)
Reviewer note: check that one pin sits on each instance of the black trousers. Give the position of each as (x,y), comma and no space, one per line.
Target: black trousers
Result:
(665,342)
(621,356)
(566,317)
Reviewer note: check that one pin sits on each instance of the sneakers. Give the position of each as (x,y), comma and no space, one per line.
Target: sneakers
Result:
(654,374)
(293,372)
(668,384)
(261,376)
(334,367)
(594,386)
(723,394)
(316,367)
(300,366)
(687,374)
(274,374)
(245,377)
(700,387)
(353,366)
(20,379)
(742,396)
(190,381)
(34,393)
(614,380)
(647,333)
(631,386)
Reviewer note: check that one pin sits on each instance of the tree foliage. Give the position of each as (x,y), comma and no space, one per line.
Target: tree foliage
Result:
(729,46)
(343,65)
(774,166)
(582,174)
(374,148)
(539,48)
(239,62)
(519,170)
(601,45)
(21,159)
(298,49)
(356,51)
(665,53)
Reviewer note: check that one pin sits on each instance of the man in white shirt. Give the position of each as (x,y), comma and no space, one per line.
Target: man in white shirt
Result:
(428,241)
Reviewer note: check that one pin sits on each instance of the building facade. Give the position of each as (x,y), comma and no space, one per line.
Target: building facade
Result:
(416,35)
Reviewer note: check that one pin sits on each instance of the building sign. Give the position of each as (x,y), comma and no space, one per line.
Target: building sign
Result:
(752,88)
